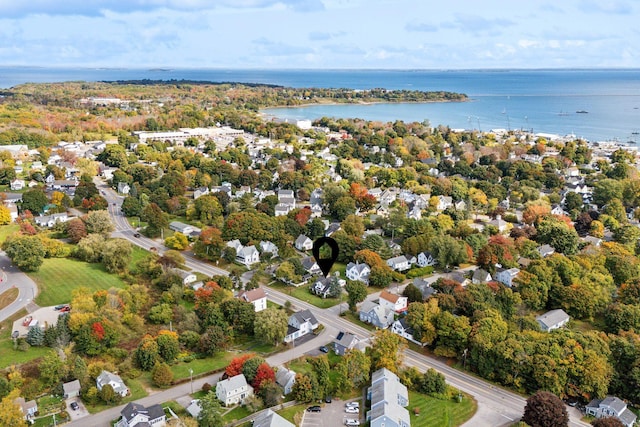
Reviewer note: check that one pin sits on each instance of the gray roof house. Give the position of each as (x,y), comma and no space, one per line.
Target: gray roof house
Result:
(399,263)
(71,389)
(553,319)
(114,381)
(285,378)
(506,275)
(480,276)
(611,407)
(424,286)
(29,408)
(389,399)
(345,341)
(377,315)
(303,243)
(546,250)
(268,418)
(300,323)
(186,276)
(135,414)
(310,264)
(233,390)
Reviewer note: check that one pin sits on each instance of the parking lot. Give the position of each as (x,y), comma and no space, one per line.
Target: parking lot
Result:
(77,413)
(331,415)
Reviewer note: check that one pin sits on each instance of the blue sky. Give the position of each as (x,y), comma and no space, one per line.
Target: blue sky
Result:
(388,34)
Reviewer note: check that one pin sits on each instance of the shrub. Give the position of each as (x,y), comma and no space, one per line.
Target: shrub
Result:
(206,387)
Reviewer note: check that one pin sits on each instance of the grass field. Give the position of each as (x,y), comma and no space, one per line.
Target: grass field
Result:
(237,413)
(8,296)
(137,392)
(181,369)
(290,413)
(58,277)
(9,356)
(7,230)
(136,255)
(302,293)
(440,413)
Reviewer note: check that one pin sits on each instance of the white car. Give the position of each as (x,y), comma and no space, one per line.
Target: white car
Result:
(352,404)
(352,410)
(351,422)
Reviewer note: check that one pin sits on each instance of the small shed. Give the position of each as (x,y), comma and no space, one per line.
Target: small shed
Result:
(71,389)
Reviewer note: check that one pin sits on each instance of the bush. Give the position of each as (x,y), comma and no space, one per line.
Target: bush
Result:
(416,411)
(206,387)
(419,272)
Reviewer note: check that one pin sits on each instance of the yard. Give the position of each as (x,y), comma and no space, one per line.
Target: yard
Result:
(7,230)
(137,392)
(200,366)
(235,414)
(9,356)
(302,293)
(59,277)
(436,412)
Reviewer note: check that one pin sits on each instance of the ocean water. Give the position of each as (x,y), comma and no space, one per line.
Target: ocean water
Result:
(538,100)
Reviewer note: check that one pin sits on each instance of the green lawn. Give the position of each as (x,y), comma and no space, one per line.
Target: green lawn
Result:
(136,255)
(354,318)
(181,369)
(302,293)
(58,277)
(7,230)
(237,413)
(440,413)
(137,392)
(9,356)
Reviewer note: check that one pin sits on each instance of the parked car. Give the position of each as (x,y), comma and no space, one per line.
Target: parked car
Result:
(327,399)
(352,410)
(324,349)
(59,307)
(74,406)
(315,408)
(351,422)
(65,309)
(352,404)
(27,320)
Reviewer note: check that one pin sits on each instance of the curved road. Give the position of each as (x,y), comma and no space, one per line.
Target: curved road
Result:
(12,277)
(496,406)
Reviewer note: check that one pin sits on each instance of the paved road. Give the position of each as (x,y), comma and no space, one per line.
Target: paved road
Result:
(12,277)
(496,406)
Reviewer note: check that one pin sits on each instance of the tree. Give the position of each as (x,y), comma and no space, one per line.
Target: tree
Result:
(209,244)
(353,225)
(146,354)
(250,367)
(26,252)
(116,255)
(302,389)
(286,272)
(211,411)
(558,234)
(264,374)
(271,325)
(357,292)
(271,393)
(177,241)
(356,365)
(35,336)
(10,412)
(607,422)
(545,409)
(235,366)
(99,222)
(155,218)
(412,293)
(33,201)
(51,368)
(161,374)
(5,215)
(76,229)
(386,350)
(213,340)
(168,345)
(109,396)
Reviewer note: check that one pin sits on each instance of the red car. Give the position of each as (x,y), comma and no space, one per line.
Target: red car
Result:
(65,309)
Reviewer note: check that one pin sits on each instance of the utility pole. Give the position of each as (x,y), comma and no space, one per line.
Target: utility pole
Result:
(191,377)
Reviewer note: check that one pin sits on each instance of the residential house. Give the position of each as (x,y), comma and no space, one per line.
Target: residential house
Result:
(29,408)
(499,223)
(310,265)
(611,406)
(426,259)
(300,324)
(268,247)
(135,414)
(114,381)
(399,263)
(235,244)
(389,399)
(345,341)
(281,209)
(17,184)
(303,243)
(268,418)
(359,272)
(194,408)
(285,378)
(444,202)
(415,213)
(374,313)
(332,228)
(123,188)
(51,220)
(257,297)
(506,275)
(71,389)
(322,287)
(316,197)
(546,250)
(200,191)
(402,328)
(393,302)
(233,390)
(553,319)
(480,276)
(183,228)
(247,256)
(425,287)
(186,276)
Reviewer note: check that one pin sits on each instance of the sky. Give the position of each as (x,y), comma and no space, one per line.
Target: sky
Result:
(321,34)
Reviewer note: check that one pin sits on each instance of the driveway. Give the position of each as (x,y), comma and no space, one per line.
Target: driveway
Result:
(332,415)
(78,413)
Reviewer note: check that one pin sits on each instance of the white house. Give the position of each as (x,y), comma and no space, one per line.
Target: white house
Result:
(402,328)
(303,243)
(29,408)
(270,247)
(357,271)
(186,276)
(375,314)
(181,227)
(248,255)
(300,323)
(506,276)
(285,378)
(426,259)
(51,220)
(17,184)
(114,381)
(389,399)
(444,202)
(135,414)
(257,297)
(393,302)
(553,319)
(611,406)
(71,389)
(123,188)
(480,276)
(399,263)
(233,390)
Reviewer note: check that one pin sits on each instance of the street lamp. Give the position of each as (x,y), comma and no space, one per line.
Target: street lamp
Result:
(191,377)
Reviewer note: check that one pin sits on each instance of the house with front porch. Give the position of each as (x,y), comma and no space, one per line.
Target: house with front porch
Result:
(375,314)
(300,323)
(234,390)
(393,302)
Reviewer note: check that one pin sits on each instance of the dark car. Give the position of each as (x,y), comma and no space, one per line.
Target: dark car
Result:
(136,234)
(324,349)
(59,307)
(314,409)
(74,406)
(327,399)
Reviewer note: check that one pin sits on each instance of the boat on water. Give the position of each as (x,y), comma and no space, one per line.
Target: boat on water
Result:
(582,112)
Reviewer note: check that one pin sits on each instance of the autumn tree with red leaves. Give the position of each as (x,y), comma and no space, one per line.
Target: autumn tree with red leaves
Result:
(235,366)
(264,374)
